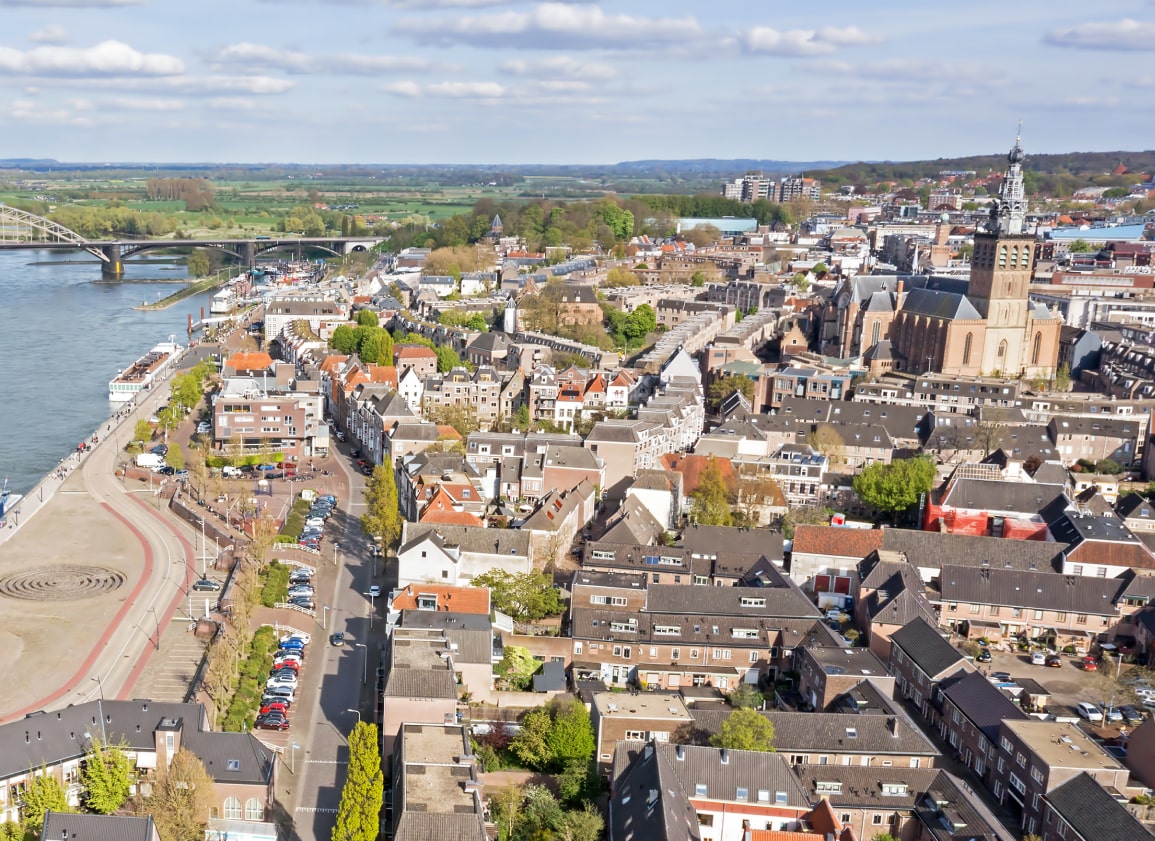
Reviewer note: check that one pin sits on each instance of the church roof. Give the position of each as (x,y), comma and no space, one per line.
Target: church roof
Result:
(946,305)
(880,301)
(883,350)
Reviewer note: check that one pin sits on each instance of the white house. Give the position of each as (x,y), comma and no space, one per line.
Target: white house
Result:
(412,387)
(456,554)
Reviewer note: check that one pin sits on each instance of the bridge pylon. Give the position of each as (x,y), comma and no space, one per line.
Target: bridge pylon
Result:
(112,265)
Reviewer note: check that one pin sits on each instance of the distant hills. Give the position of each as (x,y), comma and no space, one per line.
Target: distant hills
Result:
(723,167)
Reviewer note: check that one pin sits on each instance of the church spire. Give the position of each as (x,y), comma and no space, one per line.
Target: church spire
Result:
(1008,214)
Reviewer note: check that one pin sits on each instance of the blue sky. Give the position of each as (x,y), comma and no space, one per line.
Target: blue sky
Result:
(502,81)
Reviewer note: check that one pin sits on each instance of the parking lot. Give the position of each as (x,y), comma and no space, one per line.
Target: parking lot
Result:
(1069,684)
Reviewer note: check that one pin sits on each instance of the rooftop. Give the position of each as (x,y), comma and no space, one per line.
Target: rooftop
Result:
(1062,744)
(848,661)
(641,705)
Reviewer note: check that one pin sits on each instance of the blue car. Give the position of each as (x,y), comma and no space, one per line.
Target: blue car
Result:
(292,645)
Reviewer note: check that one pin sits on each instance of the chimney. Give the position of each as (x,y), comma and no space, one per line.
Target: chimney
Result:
(892,725)
(898,291)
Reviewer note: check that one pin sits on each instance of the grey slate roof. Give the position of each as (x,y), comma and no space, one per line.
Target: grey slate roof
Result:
(471,538)
(649,802)
(922,642)
(97,827)
(1030,590)
(216,749)
(727,601)
(949,803)
(931,549)
(862,787)
(999,495)
(418,826)
(947,305)
(826,731)
(1093,813)
(471,632)
(49,738)
(980,701)
(714,541)
(762,775)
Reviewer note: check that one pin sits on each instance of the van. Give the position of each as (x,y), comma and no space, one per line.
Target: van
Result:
(149,460)
(230,472)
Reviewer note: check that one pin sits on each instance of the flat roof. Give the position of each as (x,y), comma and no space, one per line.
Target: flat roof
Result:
(637,705)
(848,661)
(438,787)
(1062,744)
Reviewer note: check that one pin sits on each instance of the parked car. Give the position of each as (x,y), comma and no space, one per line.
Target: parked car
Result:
(337,639)
(375,591)
(1089,711)
(274,707)
(1089,664)
(282,679)
(286,700)
(984,656)
(204,428)
(1038,658)
(287,662)
(292,644)
(166,470)
(286,667)
(1001,677)
(1055,661)
(272,721)
(284,694)
(1112,713)
(160,450)
(206,585)
(297,635)
(1130,714)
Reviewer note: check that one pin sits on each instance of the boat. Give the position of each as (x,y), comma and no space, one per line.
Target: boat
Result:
(8,499)
(153,365)
(223,302)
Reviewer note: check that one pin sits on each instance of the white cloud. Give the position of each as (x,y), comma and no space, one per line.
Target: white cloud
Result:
(30,112)
(554,26)
(187,85)
(446,90)
(108,58)
(803,42)
(913,72)
(232,103)
(51,34)
(292,61)
(73,4)
(1125,35)
(559,67)
(127,104)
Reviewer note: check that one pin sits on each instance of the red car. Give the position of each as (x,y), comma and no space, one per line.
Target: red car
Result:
(275,707)
(1090,664)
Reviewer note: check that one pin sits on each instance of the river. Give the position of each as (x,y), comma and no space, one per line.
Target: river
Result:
(63,336)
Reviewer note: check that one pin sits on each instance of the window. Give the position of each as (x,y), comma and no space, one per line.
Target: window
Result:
(232,810)
(1077,569)
(750,601)
(1081,619)
(254,810)
(232,765)
(635,735)
(753,656)
(763,796)
(675,653)
(667,630)
(1061,616)
(1003,349)
(742,794)
(693,654)
(700,789)
(876,819)
(966,360)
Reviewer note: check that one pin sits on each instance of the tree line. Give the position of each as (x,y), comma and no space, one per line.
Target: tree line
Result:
(196,193)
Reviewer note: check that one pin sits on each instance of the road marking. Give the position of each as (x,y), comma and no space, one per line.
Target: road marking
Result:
(326,762)
(316,810)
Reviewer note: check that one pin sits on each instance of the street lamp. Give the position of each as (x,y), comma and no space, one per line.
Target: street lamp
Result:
(336,546)
(364,661)
(152,610)
(325,618)
(293,758)
(358,712)
(100,709)
(372,608)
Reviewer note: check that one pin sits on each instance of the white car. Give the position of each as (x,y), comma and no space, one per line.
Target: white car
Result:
(1038,658)
(299,635)
(375,591)
(1089,711)
(291,682)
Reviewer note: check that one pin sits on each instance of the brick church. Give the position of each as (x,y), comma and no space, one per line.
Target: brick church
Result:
(988,327)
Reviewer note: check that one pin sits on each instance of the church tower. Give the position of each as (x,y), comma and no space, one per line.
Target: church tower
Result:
(1001,276)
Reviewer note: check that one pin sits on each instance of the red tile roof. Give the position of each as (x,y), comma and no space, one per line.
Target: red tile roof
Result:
(414,352)
(691,468)
(255,361)
(456,599)
(836,542)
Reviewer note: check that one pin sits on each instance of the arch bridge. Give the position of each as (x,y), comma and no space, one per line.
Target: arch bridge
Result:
(21,230)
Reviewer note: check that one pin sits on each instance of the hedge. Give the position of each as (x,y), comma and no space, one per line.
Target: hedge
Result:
(254,670)
(242,461)
(294,523)
(274,583)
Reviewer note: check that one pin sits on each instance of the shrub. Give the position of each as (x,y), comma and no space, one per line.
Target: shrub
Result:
(274,583)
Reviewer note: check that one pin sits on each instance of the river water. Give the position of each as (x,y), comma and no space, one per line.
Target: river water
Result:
(63,336)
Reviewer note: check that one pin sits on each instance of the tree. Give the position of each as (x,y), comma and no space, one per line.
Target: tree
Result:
(616,277)
(745,729)
(366,318)
(476,322)
(712,498)
(517,668)
(198,264)
(746,696)
(896,486)
(447,358)
(505,806)
(175,456)
(571,738)
(142,431)
(43,793)
(382,517)
(181,801)
(343,340)
(1063,377)
(702,235)
(585,824)
(359,814)
(826,440)
(1080,246)
(462,418)
(806,515)
(723,387)
(531,744)
(107,777)
(526,597)
(885,836)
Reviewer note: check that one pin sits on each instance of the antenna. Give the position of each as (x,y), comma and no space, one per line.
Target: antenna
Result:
(1019,131)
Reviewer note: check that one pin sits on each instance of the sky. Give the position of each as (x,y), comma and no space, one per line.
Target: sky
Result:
(569,81)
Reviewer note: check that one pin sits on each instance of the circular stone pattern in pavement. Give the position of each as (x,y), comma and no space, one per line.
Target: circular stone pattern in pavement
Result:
(67,582)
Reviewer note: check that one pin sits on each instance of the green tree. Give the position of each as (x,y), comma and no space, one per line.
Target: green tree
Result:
(746,696)
(619,220)
(698,279)
(1080,246)
(382,517)
(712,498)
(107,777)
(1063,377)
(505,806)
(521,418)
(476,322)
(142,431)
(571,738)
(531,744)
(181,800)
(198,264)
(896,486)
(525,596)
(723,387)
(359,814)
(43,793)
(366,318)
(584,824)
(886,836)
(447,358)
(517,668)
(745,729)
(617,276)
(826,440)
(175,456)
(11,831)
(343,340)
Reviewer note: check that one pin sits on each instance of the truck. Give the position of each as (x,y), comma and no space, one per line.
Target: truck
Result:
(151,461)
